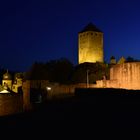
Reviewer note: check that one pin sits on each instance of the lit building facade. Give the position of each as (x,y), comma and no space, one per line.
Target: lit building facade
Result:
(9,84)
(7,81)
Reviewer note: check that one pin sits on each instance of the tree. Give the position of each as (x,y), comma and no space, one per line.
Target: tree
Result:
(130,59)
(60,70)
(37,72)
(55,71)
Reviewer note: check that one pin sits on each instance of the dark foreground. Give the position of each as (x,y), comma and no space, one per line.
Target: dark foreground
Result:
(87,110)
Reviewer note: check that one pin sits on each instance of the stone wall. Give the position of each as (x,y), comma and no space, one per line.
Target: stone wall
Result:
(26,95)
(10,104)
(126,76)
(107,84)
(90,47)
(58,90)
(49,90)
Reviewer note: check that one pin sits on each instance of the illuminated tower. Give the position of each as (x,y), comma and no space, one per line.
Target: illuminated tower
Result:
(90,45)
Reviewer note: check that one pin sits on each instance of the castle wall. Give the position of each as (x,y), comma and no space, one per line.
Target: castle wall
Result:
(107,84)
(26,95)
(58,90)
(10,104)
(90,47)
(50,90)
(126,76)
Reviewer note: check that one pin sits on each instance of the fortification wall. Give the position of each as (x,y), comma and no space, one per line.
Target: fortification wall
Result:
(107,84)
(127,75)
(49,89)
(10,104)
(26,95)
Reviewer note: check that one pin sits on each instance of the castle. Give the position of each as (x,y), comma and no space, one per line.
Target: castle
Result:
(122,74)
(90,49)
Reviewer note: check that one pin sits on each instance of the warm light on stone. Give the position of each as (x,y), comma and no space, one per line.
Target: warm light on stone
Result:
(125,76)
(90,46)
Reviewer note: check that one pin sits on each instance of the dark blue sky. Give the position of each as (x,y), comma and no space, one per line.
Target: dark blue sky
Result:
(42,30)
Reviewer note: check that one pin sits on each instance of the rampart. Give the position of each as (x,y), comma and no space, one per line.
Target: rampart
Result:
(125,76)
(10,104)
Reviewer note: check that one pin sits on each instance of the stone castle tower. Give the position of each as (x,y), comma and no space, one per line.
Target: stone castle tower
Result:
(90,45)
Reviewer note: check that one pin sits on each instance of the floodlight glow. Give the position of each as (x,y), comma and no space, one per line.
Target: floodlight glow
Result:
(48,88)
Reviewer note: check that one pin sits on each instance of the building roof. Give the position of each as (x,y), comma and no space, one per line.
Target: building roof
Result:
(112,57)
(122,60)
(90,27)
(7,76)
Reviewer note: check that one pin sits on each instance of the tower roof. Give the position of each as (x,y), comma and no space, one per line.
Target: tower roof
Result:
(7,76)
(90,27)
(112,57)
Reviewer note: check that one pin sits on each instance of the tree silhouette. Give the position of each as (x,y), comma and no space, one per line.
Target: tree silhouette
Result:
(130,59)
(55,71)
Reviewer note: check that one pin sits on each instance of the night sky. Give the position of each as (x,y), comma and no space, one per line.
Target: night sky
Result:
(42,30)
